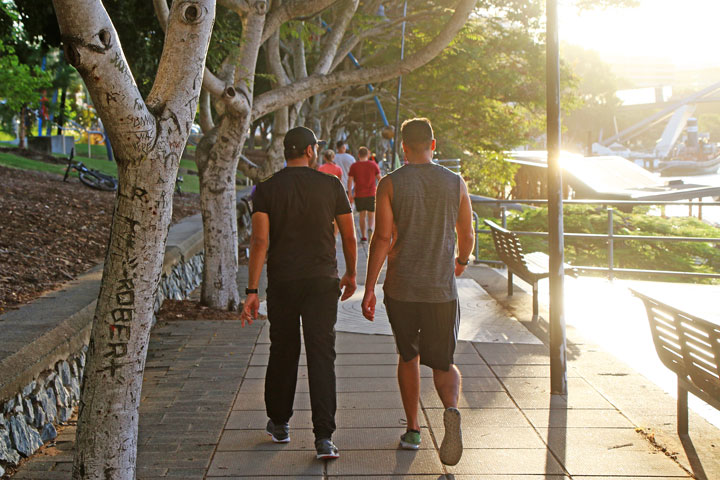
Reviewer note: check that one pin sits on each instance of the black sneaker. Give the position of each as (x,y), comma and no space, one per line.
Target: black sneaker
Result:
(280,433)
(326,449)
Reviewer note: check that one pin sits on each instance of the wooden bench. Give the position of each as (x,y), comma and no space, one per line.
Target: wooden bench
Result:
(531,267)
(690,347)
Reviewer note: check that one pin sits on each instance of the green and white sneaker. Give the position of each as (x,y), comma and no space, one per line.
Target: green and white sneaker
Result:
(410,440)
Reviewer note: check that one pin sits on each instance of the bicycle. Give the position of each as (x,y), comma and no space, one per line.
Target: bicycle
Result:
(90,177)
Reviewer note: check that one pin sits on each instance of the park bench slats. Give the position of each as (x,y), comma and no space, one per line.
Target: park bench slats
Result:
(690,347)
(531,267)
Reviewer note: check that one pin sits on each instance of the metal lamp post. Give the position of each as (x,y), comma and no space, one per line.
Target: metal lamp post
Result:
(558,357)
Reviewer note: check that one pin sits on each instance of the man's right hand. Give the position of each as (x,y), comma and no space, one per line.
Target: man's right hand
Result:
(368,304)
(348,286)
(250,309)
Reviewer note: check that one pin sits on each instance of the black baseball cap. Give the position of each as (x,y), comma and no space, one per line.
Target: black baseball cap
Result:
(298,139)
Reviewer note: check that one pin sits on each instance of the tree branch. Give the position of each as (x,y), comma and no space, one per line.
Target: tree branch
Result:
(292,9)
(246,63)
(298,57)
(348,100)
(205,118)
(272,50)
(353,41)
(335,36)
(162,12)
(92,46)
(180,71)
(211,83)
(307,87)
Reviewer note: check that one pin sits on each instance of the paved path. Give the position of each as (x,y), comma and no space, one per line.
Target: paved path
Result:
(202,415)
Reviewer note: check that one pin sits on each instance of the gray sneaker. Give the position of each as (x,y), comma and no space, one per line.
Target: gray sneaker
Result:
(326,449)
(280,433)
(451,448)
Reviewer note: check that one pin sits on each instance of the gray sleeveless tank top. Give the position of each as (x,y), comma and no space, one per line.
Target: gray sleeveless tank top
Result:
(421,262)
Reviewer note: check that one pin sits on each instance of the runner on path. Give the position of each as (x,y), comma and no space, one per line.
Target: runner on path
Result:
(293,213)
(420,207)
(343,160)
(363,176)
(329,166)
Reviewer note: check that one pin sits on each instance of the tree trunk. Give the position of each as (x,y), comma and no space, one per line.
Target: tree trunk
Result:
(276,155)
(61,117)
(217,160)
(22,131)
(148,140)
(217,165)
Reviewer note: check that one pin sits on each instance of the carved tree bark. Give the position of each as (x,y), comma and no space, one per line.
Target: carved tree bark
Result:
(148,138)
(217,164)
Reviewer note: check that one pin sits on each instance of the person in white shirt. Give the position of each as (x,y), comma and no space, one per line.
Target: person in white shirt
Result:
(343,160)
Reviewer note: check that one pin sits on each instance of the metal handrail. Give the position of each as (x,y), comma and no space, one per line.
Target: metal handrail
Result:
(610,236)
(602,202)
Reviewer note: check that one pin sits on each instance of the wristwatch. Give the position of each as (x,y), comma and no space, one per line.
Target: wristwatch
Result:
(464,264)
(248,291)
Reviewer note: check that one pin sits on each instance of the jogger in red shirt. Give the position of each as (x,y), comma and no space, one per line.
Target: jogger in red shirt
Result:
(363,175)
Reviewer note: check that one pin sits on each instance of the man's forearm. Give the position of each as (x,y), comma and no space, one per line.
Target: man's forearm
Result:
(379,249)
(465,245)
(350,254)
(258,251)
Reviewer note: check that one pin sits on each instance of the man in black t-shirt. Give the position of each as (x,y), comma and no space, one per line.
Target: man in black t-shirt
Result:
(292,222)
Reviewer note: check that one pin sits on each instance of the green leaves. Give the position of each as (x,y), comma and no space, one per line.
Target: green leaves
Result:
(640,254)
(20,84)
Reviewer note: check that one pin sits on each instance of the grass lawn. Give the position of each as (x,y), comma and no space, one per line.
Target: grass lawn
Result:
(22,163)
(99,161)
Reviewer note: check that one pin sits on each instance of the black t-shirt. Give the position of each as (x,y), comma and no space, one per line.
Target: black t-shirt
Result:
(301,204)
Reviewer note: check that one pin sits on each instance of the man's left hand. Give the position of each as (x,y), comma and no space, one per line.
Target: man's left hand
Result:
(250,309)
(348,286)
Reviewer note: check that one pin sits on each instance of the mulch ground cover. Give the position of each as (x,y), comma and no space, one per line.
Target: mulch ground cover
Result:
(51,231)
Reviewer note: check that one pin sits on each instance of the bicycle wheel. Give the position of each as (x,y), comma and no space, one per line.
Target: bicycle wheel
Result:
(98,181)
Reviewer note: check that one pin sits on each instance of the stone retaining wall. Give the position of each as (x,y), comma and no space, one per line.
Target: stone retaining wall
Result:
(28,419)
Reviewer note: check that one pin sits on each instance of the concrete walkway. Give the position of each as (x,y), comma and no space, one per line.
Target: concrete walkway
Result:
(202,414)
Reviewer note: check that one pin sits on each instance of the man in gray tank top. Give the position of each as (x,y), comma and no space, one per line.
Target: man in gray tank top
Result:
(420,207)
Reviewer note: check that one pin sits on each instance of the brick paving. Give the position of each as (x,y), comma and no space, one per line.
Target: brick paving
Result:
(202,415)
(193,372)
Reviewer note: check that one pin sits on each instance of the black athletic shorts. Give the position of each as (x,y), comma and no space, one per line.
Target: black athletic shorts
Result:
(426,329)
(365,204)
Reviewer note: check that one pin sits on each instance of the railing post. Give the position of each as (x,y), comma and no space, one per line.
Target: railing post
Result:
(503,216)
(700,208)
(611,253)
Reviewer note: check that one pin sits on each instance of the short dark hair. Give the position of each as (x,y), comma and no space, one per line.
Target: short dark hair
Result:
(363,152)
(339,143)
(417,133)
